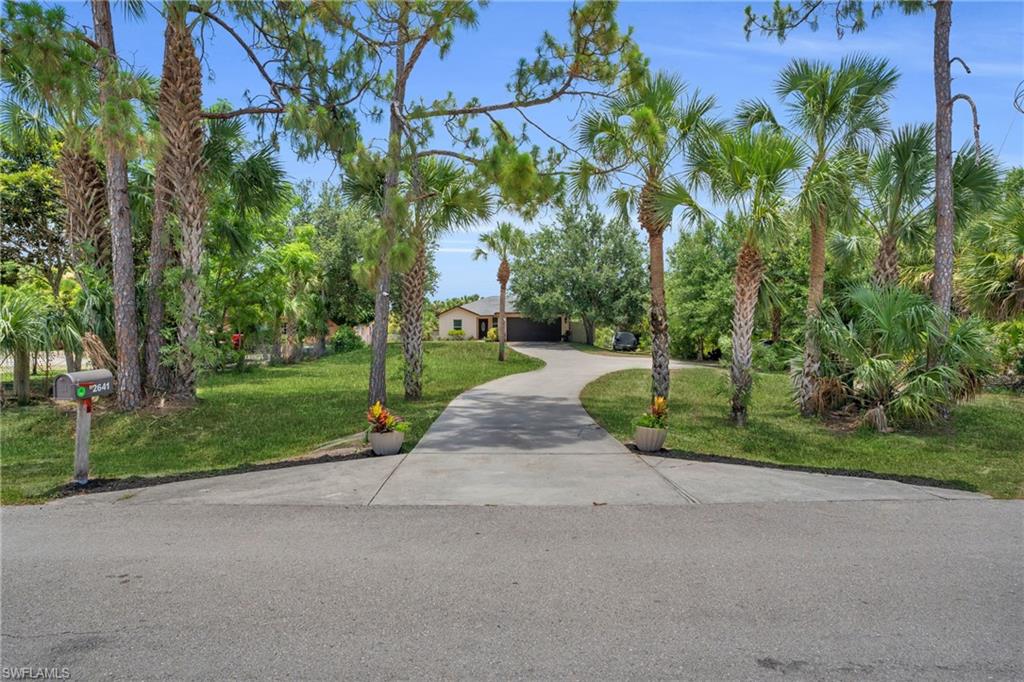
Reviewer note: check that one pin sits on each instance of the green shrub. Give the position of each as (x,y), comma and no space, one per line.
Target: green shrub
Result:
(1009,346)
(603,337)
(456,335)
(875,356)
(345,340)
(492,334)
(774,357)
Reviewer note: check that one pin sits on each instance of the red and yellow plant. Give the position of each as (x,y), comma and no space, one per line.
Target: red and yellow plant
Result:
(382,420)
(657,416)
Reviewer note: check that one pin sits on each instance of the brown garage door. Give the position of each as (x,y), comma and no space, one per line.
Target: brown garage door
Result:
(521,329)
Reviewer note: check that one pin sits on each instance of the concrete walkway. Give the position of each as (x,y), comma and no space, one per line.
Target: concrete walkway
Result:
(525,439)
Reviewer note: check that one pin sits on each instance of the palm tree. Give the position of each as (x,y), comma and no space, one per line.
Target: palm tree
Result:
(635,141)
(898,191)
(298,263)
(749,171)
(445,198)
(504,242)
(58,104)
(836,109)
(442,197)
(22,331)
(184,145)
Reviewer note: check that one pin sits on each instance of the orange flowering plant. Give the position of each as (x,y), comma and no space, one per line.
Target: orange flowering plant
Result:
(382,420)
(657,416)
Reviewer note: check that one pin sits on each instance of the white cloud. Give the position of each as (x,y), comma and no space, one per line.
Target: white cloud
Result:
(455,249)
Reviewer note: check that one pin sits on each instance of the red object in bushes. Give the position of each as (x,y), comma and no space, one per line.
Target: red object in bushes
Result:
(236,340)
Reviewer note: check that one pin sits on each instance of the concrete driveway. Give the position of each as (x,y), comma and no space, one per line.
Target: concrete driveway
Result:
(524,439)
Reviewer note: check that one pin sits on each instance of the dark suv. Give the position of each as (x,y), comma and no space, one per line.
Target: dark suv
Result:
(624,341)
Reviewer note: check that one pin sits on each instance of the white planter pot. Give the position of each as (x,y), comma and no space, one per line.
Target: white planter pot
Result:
(649,440)
(387,443)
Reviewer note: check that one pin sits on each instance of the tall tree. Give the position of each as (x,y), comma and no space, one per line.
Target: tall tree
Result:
(835,108)
(849,15)
(505,242)
(157,376)
(112,100)
(585,266)
(749,171)
(637,140)
(698,289)
(596,53)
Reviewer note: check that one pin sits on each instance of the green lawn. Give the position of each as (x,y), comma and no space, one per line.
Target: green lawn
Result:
(982,449)
(263,415)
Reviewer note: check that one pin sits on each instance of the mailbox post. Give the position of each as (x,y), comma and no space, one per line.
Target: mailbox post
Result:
(82,387)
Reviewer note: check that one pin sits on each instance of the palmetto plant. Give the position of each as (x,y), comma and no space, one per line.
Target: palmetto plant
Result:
(876,355)
(749,171)
(898,189)
(992,264)
(836,110)
(636,141)
(504,242)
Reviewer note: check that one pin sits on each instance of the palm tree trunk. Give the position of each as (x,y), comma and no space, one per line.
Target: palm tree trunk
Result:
(807,386)
(413,283)
(22,362)
(776,323)
(588,330)
(659,319)
(185,141)
(157,376)
(129,381)
(942,282)
(71,360)
(887,263)
(747,280)
(503,275)
(655,227)
(82,190)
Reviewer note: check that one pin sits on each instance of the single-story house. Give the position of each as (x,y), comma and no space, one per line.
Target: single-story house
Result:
(477,317)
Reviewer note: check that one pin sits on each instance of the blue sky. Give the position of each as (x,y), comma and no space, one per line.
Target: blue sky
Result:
(701,41)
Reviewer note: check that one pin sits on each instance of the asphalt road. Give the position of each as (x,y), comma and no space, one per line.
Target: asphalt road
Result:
(837,590)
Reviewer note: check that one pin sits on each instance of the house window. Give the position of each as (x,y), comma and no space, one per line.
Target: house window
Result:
(457,324)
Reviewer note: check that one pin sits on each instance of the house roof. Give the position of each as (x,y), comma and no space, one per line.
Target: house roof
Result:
(488,306)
